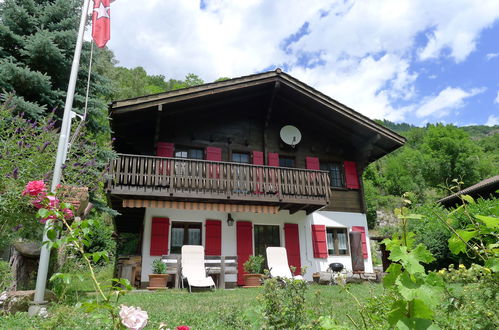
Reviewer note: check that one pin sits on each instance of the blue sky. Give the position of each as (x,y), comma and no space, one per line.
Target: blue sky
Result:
(403,60)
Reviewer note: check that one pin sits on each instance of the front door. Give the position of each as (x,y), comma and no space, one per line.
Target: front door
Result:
(265,236)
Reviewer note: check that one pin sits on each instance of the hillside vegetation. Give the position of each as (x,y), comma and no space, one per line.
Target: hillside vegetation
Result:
(432,157)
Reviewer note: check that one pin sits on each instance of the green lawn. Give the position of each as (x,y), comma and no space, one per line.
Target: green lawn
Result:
(222,309)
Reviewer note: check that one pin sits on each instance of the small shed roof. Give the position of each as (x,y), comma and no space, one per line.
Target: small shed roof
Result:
(482,189)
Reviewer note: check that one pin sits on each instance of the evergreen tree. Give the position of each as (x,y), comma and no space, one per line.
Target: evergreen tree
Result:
(37,41)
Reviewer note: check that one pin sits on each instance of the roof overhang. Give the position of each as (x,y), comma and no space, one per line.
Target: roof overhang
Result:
(378,140)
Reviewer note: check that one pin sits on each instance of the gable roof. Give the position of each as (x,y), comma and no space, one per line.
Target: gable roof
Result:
(351,121)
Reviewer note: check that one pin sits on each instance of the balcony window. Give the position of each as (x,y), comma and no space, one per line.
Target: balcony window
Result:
(286,162)
(185,233)
(335,174)
(191,153)
(337,241)
(241,157)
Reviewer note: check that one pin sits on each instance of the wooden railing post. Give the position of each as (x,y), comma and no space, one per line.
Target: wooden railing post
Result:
(164,176)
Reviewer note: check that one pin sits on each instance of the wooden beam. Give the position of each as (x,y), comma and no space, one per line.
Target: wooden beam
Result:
(216,104)
(157,129)
(177,96)
(267,118)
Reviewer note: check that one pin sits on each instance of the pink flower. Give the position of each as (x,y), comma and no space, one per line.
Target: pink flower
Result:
(34,188)
(68,214)
(133,317)
(182,327)
(53,202)
(50,217)
(38,203)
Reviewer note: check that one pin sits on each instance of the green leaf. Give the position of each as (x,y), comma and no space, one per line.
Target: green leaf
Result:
(415,324)
(42,213)
(421,310)
(456,245)
(422,253)
(416,287)
(51,234)
(490,222)
(398,311)
(493,264)
(66,206)
(96,256)
(468,198)
(411,260)
(466,235)
(393,271)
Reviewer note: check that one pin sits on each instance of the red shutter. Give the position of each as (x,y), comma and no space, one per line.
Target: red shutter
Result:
(257,158)
(244,236)
(165,149)
(312,163)
(273,159)
(362,230)
(319,241)
(159,236)
(213,245)
(351,177)
(293,246)
(214,153)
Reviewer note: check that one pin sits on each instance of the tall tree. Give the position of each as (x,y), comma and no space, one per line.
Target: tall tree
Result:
(37,41)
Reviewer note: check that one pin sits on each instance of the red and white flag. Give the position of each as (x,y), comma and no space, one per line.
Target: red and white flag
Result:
(101,22)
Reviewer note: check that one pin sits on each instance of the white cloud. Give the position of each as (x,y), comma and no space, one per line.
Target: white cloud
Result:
(490,56)
(497,98)
(447,100)
(456,26)
(492,121)
(362,51)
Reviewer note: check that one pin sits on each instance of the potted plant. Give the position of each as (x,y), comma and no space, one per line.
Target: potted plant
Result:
(159,278)
(254,268)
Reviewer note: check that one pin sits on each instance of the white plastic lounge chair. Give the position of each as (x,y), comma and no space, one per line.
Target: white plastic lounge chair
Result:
(277,260)
(193,267)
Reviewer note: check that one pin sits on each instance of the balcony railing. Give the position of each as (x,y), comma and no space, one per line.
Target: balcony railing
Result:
(202,180)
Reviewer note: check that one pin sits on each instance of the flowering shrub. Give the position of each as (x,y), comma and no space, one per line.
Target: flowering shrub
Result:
(473,274)
(55,214)
(27,152)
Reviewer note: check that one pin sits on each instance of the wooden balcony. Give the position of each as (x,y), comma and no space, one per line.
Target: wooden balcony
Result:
(147,177)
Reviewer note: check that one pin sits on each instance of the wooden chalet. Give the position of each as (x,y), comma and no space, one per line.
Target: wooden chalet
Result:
(193,160)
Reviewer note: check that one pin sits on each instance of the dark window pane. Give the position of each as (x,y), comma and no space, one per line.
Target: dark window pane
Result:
(184,233)
(335,173)
(286,162)
(239,157)
(196,153)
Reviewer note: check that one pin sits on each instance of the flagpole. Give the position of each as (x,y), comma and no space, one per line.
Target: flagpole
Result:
(41,279)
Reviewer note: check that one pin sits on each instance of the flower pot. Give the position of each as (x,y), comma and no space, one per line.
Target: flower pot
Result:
(252,280)
(157,281)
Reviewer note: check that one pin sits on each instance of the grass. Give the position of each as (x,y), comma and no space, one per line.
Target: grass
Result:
(200,310)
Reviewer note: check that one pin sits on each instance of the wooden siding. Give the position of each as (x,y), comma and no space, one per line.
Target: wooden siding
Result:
(345,201)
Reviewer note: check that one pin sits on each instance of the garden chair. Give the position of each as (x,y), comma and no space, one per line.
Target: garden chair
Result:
(277,260)
(193,267)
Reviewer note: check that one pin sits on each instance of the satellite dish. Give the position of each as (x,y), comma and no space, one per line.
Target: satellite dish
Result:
(290,135)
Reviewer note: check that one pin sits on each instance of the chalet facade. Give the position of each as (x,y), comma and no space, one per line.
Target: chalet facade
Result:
(242,164)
